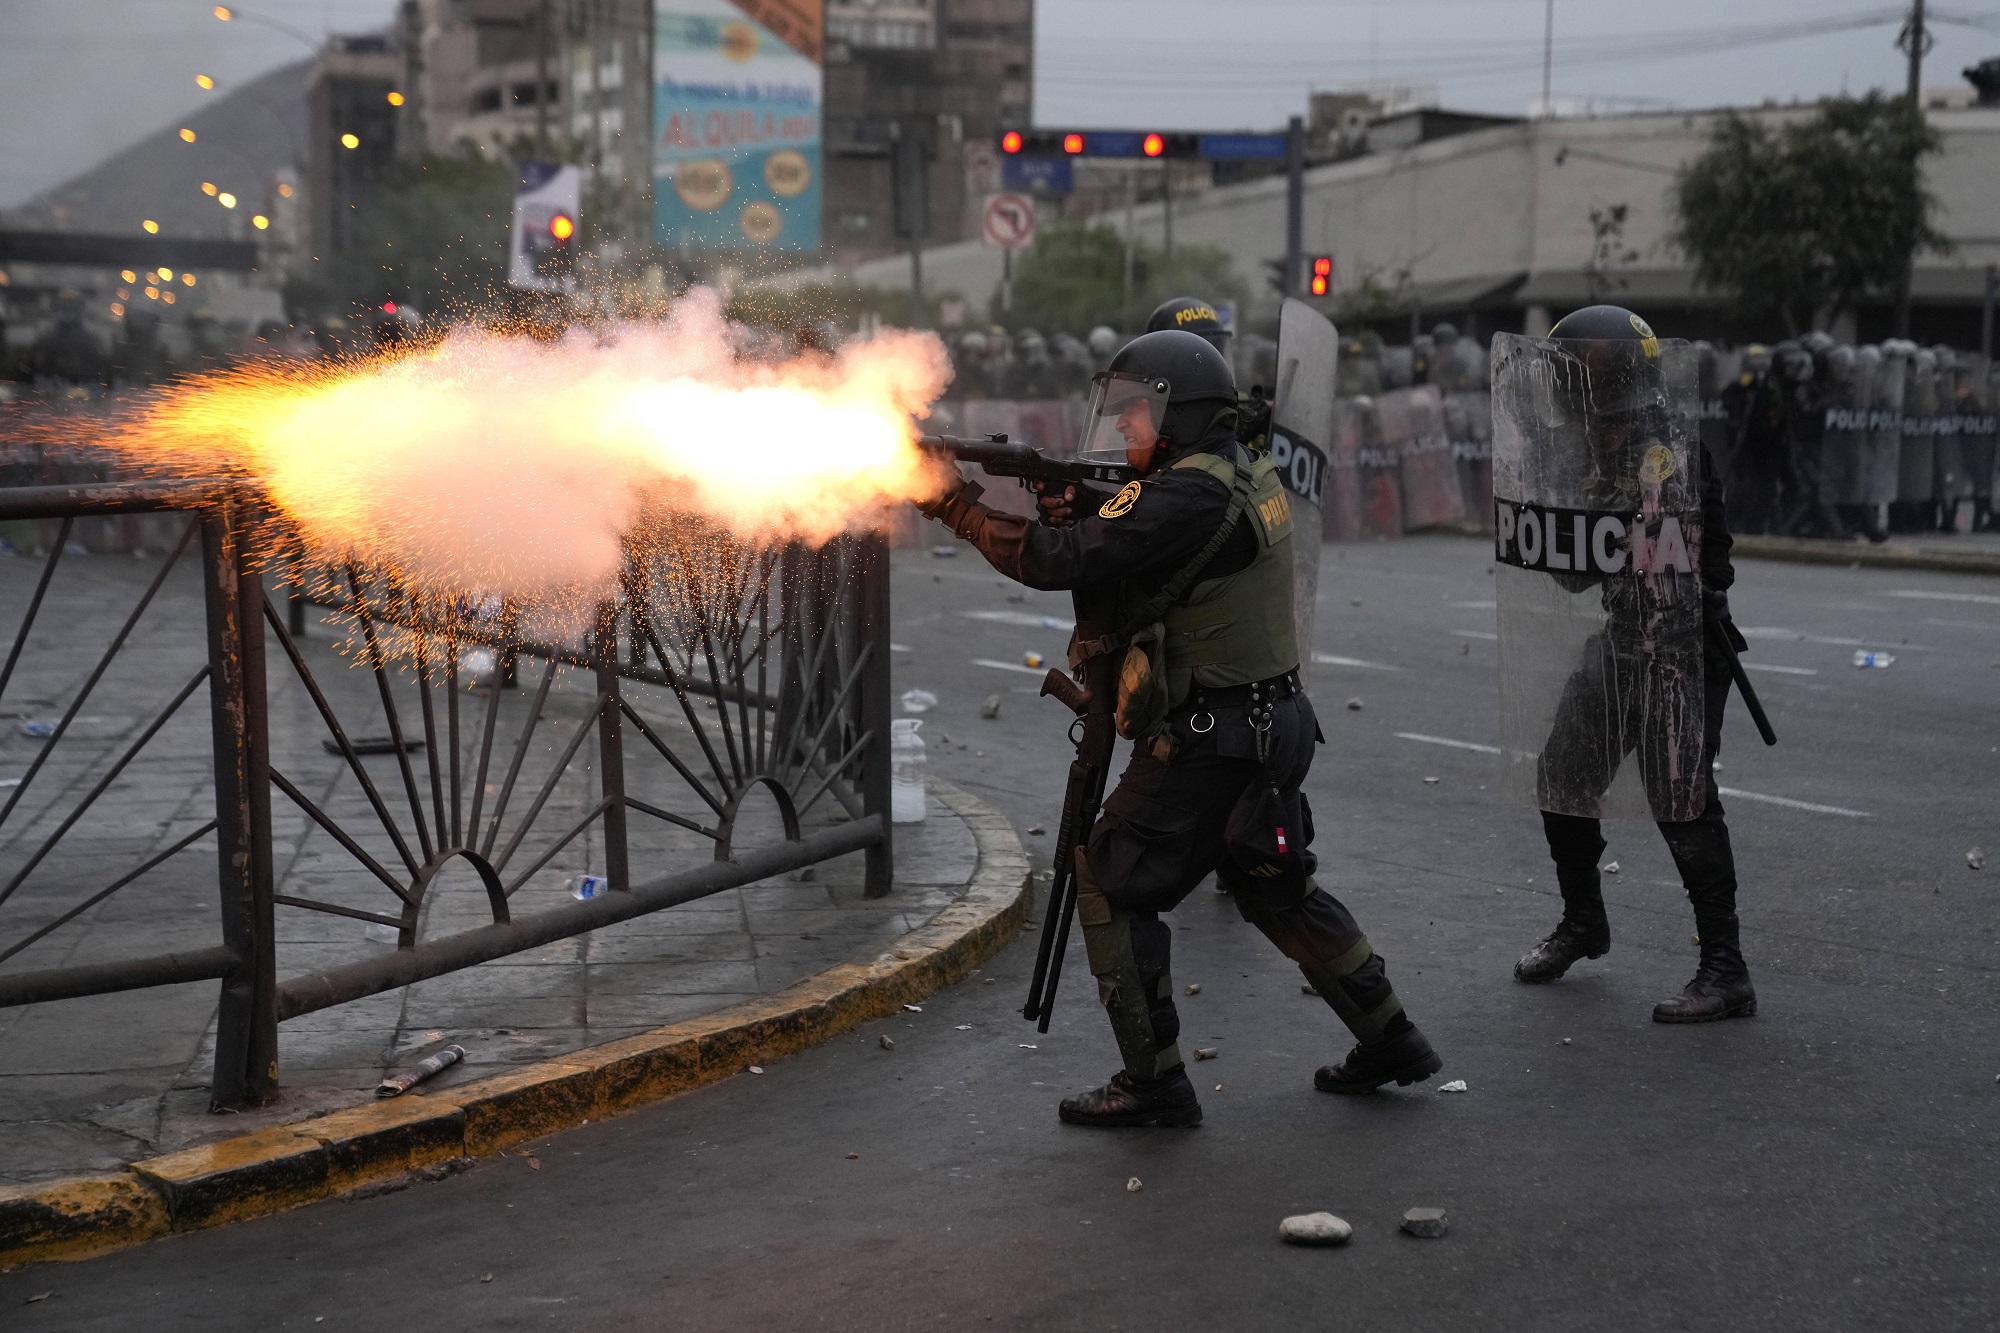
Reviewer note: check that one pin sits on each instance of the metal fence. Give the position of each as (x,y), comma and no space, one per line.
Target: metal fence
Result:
(719,673)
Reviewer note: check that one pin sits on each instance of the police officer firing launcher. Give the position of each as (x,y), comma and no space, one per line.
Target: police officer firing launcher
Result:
(1183,580)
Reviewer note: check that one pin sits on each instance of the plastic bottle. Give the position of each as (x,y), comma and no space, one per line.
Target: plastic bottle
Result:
(585,887)
(906,771)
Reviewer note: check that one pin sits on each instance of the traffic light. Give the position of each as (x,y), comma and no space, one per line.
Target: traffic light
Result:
(1320,281)
(1128,143)
(550,247)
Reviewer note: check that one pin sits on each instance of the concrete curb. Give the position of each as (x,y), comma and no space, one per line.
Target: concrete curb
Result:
(284,1166)
(1867,555)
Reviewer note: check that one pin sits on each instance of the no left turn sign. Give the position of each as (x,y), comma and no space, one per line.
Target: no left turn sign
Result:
(1008,221)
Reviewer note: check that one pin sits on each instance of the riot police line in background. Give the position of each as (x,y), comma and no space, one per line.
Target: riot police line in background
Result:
(1821,439)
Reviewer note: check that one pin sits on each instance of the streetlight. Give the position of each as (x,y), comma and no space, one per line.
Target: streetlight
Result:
(226,199)
(260,222)
(187,135)
(348,140)
(204,82)
(151,227)
(209,188)
(395,99)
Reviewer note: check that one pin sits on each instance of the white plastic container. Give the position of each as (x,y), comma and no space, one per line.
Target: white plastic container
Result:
(906,771)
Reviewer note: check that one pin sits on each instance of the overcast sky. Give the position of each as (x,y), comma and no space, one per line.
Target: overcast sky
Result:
(82,78)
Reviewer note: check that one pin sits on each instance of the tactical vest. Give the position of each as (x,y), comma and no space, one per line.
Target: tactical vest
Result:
(1238,629)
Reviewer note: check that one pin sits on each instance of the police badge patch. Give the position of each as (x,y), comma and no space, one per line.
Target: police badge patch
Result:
(1121,504)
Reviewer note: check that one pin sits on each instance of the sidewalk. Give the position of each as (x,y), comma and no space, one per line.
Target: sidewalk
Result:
(1947,552)
(88,1085)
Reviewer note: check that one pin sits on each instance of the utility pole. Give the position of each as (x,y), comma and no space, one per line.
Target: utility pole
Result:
(1915,41)
(1548,51)
(1167,203)
(1131,198)
(542,81)
(1295,201)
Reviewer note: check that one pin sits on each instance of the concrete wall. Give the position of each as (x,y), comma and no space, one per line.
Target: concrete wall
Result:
(1509,201)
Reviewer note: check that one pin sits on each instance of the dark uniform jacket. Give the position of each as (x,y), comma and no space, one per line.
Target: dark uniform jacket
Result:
(1139,543)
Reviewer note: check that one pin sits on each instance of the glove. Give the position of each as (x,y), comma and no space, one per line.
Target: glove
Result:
(1057,505)
(1715,608)
(954,506)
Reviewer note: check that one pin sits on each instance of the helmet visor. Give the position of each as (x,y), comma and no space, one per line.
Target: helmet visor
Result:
(1124,415)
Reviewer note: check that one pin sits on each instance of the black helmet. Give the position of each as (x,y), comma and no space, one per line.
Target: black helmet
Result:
(1189,364)
(1621,354)
(1182,382)
(1190,316)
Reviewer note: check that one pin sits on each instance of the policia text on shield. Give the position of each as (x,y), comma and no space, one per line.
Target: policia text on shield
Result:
(1186,644)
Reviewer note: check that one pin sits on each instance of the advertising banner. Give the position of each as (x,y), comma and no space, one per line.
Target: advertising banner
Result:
(736,120)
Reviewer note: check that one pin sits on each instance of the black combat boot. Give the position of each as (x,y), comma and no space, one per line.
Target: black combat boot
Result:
(1571,940)
(1584,931)
(1721,985)
(1167,1102)
(1403,1057)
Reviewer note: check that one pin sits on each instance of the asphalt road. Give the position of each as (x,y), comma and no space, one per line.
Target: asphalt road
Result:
(1826,1165)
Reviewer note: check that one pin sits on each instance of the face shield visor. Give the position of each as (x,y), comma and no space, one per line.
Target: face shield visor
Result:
(1123,417)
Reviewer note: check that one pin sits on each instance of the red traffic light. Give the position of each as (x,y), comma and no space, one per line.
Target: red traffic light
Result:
(562,226)
(1010,142)
(1322,275)
(1072,143)
(1152,145)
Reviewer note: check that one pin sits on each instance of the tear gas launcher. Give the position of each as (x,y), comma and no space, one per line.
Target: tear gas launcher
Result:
(1000,457)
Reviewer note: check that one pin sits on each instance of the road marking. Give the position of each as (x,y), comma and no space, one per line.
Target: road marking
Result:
(1781,670)
(1476,634)
(1009,666)
(1785,801)
(1793,636)
(1328,659)
(1477,606)
(901,648)
(1984,599)
(1020,618)
(1441,740)
(1791,804)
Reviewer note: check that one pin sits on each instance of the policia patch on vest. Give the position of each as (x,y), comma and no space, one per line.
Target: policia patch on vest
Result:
(1121,504)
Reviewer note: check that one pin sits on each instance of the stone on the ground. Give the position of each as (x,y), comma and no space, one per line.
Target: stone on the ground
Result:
(1425,1222)
(888,1042)
(1456,1085)
(1353,705)
(1314,1229)
(989,708)
(1134,1185)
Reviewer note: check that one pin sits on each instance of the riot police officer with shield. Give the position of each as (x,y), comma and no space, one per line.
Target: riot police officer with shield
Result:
(1192,564)
(1602,454)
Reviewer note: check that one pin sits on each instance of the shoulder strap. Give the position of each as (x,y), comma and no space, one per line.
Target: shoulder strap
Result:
(1177,586)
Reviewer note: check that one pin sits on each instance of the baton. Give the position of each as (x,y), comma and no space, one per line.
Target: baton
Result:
(1720,639)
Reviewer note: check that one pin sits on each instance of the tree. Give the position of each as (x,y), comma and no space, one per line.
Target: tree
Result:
(1814,216)
(1073,278)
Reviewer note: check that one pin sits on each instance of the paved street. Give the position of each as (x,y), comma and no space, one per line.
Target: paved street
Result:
(1824,1165)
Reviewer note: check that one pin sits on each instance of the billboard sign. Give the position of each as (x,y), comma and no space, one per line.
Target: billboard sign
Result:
(736,118)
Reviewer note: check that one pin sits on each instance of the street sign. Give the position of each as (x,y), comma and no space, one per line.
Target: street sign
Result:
(1052,174)
(1008,221)
(1235,147)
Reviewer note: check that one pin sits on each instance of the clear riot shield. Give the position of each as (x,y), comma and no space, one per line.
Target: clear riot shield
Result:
(1342,494)
(1950,441)
(1916,463)
(1597,533)
(1882,461)
(1301,430)
(1846,429)
(1982,425)
(1431,493)
(1468,420)
(1378,460)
